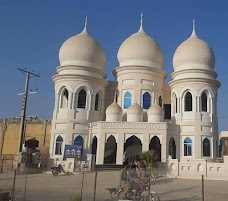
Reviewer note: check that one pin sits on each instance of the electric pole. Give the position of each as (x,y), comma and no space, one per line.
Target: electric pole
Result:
(28,75)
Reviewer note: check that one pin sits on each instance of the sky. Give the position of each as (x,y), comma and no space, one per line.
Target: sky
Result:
(31,33)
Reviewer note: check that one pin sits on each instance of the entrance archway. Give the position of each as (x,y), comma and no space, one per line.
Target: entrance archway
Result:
(110,151)
(132,148)
(94,146)
(156,145)
(172,148)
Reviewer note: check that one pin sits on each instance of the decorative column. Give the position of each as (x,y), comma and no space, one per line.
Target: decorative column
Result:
(120,157)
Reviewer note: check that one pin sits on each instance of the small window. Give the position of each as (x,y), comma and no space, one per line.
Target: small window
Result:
(160,101)
(58,145)
(188,101)
(127,100)
(146,100)
(82,99)
(64,98)
(97,102)
(187,147)
(204,102)
(175,103)
(206,148)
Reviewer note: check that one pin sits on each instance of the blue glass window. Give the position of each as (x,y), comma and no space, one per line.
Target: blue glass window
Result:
(58,145)
(187,146)
(146,100)
(127,100)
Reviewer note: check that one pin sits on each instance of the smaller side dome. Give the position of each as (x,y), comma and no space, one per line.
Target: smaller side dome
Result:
(114,112)
(155,113)
(194,53)
(135,109)
(135,113)
(155,109)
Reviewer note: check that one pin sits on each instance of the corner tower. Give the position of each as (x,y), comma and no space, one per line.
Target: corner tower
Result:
(79,92)
(194,98)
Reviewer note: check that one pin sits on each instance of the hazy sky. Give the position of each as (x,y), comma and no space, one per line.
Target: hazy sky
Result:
(31,33)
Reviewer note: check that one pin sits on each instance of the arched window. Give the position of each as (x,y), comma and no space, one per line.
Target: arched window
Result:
(187,146)
(188,101)
(146,100)
(127,100)
(160,101)
(78,142)
(206,148)
(64,98)
(204,102)
(58,145)
(175,105)
(97,102)
(82,99)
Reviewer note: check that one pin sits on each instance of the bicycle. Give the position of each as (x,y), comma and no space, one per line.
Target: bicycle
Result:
(142,194)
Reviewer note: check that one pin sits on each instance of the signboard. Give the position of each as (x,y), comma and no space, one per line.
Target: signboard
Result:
(71,151)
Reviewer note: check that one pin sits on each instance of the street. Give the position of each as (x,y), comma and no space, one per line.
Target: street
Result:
(45,187)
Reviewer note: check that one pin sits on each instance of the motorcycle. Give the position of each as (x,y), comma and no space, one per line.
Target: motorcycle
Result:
(57,170)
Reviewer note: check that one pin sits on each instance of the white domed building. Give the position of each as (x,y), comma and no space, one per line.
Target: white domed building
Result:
(177,119)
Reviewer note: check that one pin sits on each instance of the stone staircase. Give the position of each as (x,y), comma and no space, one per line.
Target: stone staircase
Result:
(108,167)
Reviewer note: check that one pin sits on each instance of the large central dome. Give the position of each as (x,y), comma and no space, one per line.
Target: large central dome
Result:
(140,49)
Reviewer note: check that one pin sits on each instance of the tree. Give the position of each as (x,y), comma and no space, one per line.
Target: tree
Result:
(150,158)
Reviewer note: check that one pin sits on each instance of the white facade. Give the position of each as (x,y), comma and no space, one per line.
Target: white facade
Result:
(178,120)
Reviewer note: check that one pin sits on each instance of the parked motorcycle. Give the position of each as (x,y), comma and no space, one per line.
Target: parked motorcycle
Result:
(57,170)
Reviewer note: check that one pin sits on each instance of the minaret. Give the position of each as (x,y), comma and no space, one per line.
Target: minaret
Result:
(79,92)
(194,98)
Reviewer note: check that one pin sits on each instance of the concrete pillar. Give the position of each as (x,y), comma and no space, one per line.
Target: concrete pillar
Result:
(120,149)
(145,142)
(100,149)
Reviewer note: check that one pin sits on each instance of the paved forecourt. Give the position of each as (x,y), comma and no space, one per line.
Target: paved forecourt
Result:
(45,187)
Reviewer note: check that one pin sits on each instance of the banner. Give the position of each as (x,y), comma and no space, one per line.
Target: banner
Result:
(71,151)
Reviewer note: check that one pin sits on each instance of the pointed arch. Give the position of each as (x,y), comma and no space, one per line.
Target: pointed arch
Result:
(64,98)
(97,102)
(82,95)
(172,148)
(206,148)
(78,142)
(175,103)
(155,144)
(58,145)
(204,104)
(146,100)
(132,148)
(94,145)
(110,150)
(160,101)
(188,102)
(127,100)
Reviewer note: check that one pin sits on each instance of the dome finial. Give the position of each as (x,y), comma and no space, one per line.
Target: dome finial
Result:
(141,24)
(84,31)
(193,29)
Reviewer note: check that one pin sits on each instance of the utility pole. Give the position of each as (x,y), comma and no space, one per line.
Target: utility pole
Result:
(28,75)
